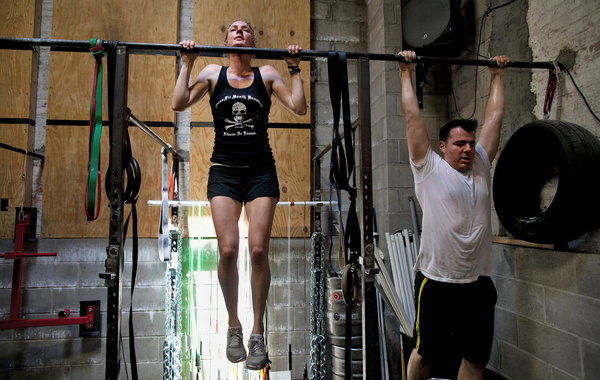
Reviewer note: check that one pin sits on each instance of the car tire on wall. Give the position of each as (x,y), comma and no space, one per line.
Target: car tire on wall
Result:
(546,182)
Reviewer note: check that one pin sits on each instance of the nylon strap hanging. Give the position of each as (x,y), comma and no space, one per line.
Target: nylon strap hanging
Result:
(342,154)
(163,226)
(341,171)
(92,203)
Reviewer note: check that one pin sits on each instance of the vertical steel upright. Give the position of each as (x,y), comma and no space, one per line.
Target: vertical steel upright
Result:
(371,356)
(118,62)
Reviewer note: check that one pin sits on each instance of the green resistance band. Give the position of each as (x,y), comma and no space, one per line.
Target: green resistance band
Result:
(93,192)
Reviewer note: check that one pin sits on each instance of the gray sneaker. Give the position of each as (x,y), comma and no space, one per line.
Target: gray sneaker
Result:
(235,345)
(257,357)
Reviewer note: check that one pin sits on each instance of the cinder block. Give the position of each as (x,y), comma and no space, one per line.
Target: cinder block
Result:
(517,364)
(50,275)
(587,268)
(573,313)
(87,274)
(557,374)
(73,351)
(74,250)
(49,373)
(550,345)
(278,342)
(320,10)
(503,260)
(149,273)
(147,349)
(520,298)
(151,371)
(552,269)
(505,326)
(144,298)
(90,372)
(591,364)
(348,11)
(337,31)
(401,175)
(146,323)
(36,300)
(288,295)
(494,361)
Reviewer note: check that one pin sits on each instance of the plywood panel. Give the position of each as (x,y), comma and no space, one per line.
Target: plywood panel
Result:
(291,149)
(277,24)
(65,176)
(10,175)
(151,78)
(16,20)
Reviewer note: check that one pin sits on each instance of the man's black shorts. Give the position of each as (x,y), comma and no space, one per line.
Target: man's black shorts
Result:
(242,183)
(454,318)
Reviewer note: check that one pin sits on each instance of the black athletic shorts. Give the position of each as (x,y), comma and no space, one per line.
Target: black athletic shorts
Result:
(454,318)
(242,183)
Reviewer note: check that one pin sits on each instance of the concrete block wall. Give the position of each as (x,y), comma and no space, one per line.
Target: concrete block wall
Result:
(547,324)
(51,284)
(336,25)
(547,316)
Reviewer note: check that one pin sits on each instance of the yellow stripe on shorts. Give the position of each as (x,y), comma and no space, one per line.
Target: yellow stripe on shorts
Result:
(418,313)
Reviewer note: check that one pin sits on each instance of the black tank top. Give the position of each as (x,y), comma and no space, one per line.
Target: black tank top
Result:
(240,116)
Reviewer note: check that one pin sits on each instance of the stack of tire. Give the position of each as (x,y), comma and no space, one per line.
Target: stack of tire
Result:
(547,181)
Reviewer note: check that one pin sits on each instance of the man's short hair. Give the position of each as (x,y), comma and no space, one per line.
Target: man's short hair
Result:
(468,125)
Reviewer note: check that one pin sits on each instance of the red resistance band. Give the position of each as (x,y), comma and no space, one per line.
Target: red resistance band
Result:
(550,88)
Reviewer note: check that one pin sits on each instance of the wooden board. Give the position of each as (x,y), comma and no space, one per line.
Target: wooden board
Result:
(16,20)
(151,78)
(291,149)
(10,175)
(151,81)
(65,176)
(277,24)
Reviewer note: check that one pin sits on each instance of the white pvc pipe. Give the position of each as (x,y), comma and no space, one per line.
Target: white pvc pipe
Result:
(397,272)
(405,277)
(391,297)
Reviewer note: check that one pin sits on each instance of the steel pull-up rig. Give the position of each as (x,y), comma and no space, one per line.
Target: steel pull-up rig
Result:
(118,60)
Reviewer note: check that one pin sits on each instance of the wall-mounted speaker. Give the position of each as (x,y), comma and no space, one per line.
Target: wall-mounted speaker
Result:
(433,27)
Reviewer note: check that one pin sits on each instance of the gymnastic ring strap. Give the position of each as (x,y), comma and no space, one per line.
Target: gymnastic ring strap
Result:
(93,194)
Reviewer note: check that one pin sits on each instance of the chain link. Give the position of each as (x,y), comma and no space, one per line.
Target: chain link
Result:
(317,283)
(172,363)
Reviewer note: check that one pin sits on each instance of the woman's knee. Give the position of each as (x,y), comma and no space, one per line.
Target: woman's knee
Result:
(259,255)
(228,253)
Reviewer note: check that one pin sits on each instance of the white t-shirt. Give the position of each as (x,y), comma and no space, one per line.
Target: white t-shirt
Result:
(456,241)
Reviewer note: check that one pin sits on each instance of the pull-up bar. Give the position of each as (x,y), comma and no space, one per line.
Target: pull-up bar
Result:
(218,51)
